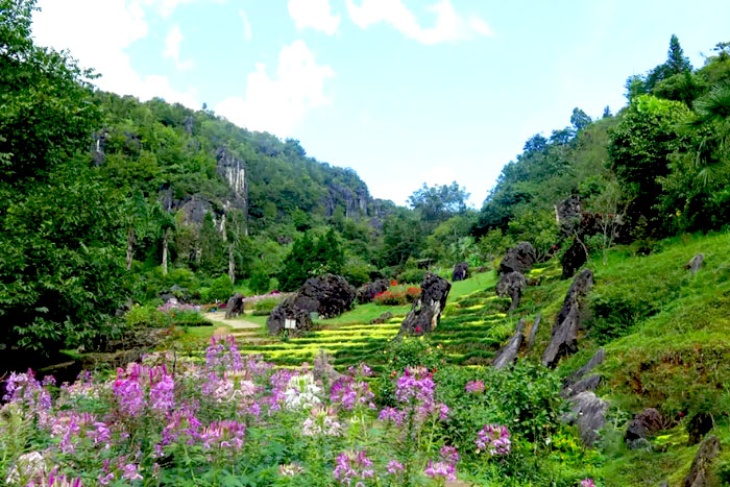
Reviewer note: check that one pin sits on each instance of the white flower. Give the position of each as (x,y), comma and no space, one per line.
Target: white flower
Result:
(29,466)
(302,392)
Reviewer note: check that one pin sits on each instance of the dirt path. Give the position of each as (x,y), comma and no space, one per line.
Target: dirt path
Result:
(219,318)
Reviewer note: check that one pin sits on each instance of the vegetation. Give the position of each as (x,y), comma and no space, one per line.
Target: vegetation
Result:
(119,217)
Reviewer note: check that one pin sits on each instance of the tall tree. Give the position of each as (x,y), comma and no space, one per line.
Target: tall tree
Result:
(579,119)
(439,202)
(62,240)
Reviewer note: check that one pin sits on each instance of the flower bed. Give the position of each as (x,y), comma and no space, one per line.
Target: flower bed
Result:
(229,420)
(397,295)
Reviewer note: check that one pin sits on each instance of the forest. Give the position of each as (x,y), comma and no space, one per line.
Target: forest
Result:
(110,205)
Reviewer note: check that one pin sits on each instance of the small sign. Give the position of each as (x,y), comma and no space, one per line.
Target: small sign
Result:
(290,324)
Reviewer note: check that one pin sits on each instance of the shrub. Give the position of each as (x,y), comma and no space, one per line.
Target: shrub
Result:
(397,295)
(221,289)
(407,352)
(260,281)
(263,307)
(412,276)
(146,316)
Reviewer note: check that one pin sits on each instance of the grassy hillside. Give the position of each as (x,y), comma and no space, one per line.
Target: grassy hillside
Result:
(664,331)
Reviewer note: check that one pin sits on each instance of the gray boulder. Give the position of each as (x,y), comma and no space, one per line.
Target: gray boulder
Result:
(695,263)
(699,473)
(383,318)
(507,355)
(644,424)
(427,308)
(588,413)
(519,258)
(234,307)
(461,272)
(511,285)
(589,383)
(327,295)
(564,339)
(533,331)
(289,317)
(367,292)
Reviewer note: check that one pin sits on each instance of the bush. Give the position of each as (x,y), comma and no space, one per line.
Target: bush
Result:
(264,307)
(614,311)
(146,316)
(412,276)
(406,352)
(260,282)
(397,295)
(221,289)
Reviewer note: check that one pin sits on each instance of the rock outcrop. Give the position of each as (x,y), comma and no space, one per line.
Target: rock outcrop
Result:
(461,272)
(579,381)
(426,310)
(234,307)
(533,331)
(698,426)
(367,292)
(519,258)
(573,259)
(699,472)
(695,263)
(507,355)
(288,317)
(327,296)
(644,424)
(588,413)
(564,339)
(511,285)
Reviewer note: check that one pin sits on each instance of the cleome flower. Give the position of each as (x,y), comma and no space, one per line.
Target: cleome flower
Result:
(302,392)
(494,439)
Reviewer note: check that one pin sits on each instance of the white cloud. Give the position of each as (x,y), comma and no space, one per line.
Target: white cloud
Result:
(100,42)
(167,7)
(449,26)
(277,104)
(172,48)
(247,32)
(315,14)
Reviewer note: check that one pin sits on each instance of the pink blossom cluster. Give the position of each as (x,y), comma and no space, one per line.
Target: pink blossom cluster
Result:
(351,468)
(494,439)
(475,386)
(445,467)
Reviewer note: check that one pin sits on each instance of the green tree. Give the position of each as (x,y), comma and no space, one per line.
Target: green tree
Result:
(640,147)
(62,240)
(579,119)
(440,202)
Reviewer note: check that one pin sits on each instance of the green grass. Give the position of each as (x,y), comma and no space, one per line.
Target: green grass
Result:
(664,330)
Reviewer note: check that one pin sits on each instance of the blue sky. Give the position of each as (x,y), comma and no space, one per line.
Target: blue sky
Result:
(402,91)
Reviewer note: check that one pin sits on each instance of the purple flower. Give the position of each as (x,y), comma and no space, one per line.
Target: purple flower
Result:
(162,397)
(475,386)
(354,466)
(349,393)
(587,483)
(441,470)
(395,467)
(449,454)
(223,434)
(415,385)
(392,415)
(494,439)
(129,472)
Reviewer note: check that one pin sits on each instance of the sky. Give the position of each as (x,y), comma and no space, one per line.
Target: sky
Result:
(405,92)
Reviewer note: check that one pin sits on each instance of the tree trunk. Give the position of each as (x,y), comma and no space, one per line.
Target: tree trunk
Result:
(165,239)
(130,248)
(231,264)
